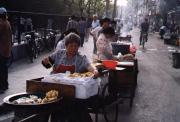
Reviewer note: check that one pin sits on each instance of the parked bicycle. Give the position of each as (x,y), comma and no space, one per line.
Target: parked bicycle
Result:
(49,40)
(32,50)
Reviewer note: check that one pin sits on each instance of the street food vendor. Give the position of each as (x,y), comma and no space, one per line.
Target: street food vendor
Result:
(104,47)
(69,59)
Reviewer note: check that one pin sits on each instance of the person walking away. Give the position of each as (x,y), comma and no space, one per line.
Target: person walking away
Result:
(88,28)
(82,30)
(72,24)
(162,31)
(144,29)
(5,48)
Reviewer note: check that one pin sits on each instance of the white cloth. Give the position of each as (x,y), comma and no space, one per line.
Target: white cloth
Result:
(95,24)
(61,45)
(84,87)
(95,31)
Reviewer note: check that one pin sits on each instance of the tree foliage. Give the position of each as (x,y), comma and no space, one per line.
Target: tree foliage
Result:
(65,7)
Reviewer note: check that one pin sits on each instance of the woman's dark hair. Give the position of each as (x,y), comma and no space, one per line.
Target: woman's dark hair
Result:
(71,30)
(108,30)
(104,20)
(72,38)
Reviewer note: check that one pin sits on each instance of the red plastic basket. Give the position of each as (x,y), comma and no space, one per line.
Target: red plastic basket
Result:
(110,64)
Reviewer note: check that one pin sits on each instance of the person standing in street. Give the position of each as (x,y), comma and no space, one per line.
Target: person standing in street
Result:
(82,29)
(95,22)
(72,24)
(5,48)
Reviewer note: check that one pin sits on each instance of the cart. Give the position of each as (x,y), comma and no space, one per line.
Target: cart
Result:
(105,102)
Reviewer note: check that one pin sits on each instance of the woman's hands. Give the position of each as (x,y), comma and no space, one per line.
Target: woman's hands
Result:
(96,73)
(46,63)
(45,60)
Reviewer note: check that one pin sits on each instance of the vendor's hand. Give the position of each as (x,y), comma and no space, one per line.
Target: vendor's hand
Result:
(96,74)
(45,61)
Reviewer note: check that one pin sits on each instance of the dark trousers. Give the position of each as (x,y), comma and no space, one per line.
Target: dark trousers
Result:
(95,47)
(3,72)
(141,34)
(82,35)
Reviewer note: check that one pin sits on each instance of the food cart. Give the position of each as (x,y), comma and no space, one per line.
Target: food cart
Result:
(101,103)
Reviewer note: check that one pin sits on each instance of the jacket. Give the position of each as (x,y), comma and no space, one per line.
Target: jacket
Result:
(5,38)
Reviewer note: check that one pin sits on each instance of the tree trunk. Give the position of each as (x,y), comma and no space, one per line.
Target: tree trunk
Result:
(81,7)
(107,8)
(95,6)
(114,9)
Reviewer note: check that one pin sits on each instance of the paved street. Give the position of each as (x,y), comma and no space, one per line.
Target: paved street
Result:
(157,97)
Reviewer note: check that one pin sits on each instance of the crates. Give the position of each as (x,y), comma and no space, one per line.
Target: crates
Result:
(176,59)
(35,85)
(122,48)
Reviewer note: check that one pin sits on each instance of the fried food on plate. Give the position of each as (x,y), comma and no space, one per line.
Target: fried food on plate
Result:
(81,75)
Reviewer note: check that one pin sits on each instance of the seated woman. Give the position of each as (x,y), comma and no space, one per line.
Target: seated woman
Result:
(69,59)
(61,42)
(104,47)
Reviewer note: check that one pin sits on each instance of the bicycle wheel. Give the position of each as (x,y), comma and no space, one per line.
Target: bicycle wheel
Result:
(110,108)
(143,42)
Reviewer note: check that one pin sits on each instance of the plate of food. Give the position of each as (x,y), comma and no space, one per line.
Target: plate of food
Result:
(32,99)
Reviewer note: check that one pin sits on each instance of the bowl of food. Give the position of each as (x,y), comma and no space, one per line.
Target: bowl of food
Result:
(109,64)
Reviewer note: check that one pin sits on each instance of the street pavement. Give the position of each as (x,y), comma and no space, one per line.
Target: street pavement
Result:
(157,95)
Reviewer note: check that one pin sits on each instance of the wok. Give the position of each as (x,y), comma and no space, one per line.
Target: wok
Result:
(9,102)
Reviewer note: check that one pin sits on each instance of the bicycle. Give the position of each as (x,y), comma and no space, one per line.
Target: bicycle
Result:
(32,50)
(144,39)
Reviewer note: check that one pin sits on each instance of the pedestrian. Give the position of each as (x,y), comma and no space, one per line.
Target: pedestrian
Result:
(5,48)
(88,28)
(82,29)
(95,22)
(72,23)
(29,24)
